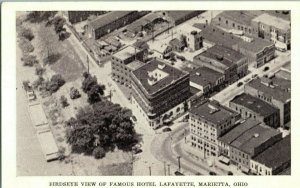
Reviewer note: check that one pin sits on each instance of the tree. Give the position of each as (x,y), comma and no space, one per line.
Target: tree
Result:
(64,101)
(29,60)
(25,45)
(39,70)
(27,33)
(38,82)
(92,88)
(39,16)
(55,83)
(99,152)
(26,85)
(102,124)
(74,93)
(183,40)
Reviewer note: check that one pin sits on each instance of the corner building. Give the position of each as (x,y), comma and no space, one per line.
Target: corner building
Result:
(160,92)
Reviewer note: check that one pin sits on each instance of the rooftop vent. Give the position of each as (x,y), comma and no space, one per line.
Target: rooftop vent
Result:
(256,135)
(161,66)
(194,32)
(198,73)
(220,57)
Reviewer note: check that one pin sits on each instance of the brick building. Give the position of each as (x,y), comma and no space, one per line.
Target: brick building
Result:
(178,17)
(224,60)
(275,29)
(256,50)
(273,160)
(160,92)
(255,108)
(79,16)
(207,122)
(246,141)
(275,91)
(206,80)
(111,21)
(120,63)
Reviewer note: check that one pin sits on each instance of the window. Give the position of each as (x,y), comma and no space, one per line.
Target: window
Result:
(226,22)
(219,19)
(233,24)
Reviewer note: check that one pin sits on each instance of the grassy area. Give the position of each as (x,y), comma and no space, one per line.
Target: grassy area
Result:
(121,169)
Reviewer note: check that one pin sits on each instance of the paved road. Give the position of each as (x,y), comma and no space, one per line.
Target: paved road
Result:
(228,93)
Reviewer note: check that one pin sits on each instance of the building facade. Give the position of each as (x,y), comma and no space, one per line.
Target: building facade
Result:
(275,91)
(111,21)
(79,16)
(160,92)
(194,41)
(207,122)
(255,108)
(120,63)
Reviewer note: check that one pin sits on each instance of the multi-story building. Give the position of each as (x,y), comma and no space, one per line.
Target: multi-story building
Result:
(237,20)
(79,16)
(120,63)
(111,21)
(275,91)
(206,80)
(224,60)
(178,17)
(256,50)
(273,160)
(246,141)
(273,28)
(255,108)
(160,91)
(207,122)
(194,40)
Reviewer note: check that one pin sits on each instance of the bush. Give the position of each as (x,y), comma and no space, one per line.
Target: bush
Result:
(27,33)
(25,45)
(29,60)
(26,85)
(230,173)
(55,83)
(99,152)
(38,82)
(39,70)
(74,93)
(51,59)
(64,101)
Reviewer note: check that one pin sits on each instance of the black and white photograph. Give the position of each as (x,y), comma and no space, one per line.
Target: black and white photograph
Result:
(153,93)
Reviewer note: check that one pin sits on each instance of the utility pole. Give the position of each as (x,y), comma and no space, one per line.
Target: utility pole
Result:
(165,171)
(169,170)
(179,163)
(110,95)
(150,170)
(88,63)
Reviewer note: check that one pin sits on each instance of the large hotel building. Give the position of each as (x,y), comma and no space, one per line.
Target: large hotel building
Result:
(160,91)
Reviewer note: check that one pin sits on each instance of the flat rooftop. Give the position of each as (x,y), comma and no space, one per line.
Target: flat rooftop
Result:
(169,75)
(253,137)
(108,18)
(240,16)
(277,22)
(177,15)
(223,54)
(126,52)
(242,127)
(213,112)
(277,92)
(135,65)
(284,14)
(276,155)
(254,104)
(218,36)
(203,76)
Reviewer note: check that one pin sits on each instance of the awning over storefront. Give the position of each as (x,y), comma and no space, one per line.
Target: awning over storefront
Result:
(224,159)
(245,169)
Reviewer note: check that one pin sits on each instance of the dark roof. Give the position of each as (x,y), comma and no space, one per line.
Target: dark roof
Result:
(176,42)
(212,112)
(218,36)
(222,54)
(242,127)
(276,155)
(108,18)
(275,92)
(240,16)
(284,14)
(203,76)
(126,52)
(177,15)
(136,25)
(254,137)
(173,75)
(254,104)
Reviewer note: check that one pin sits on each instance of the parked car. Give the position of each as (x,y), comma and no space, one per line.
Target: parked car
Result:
(239,84)
(133,119)
(167,129)
(177,173)
(266,68)
(137,150)
(254,75)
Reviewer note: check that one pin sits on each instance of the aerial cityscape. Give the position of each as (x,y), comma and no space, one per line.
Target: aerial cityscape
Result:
(153,93)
